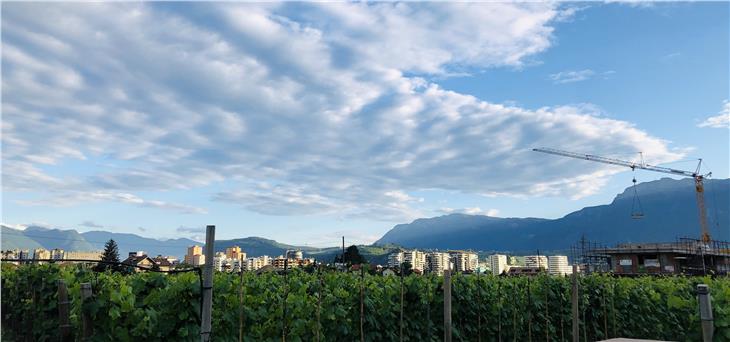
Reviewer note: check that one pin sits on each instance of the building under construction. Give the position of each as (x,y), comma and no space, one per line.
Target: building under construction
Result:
(684,256)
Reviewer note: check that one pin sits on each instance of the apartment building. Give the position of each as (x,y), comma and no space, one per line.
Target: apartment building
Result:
(558,265)
(498,264)
(195,256)
(539,261)
(416,258)
(437,262)
(235,253)
(464,261)
(395,259)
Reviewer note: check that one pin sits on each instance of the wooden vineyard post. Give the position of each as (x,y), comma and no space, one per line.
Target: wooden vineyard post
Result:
(64,328)
(529,311)
(319,301)
(240,307)
(87,329)
(705,300)
(286,295)
(605,312)
(574,300)
(362,303)
(205,322)
(401,303)
(447,305)
(479,308)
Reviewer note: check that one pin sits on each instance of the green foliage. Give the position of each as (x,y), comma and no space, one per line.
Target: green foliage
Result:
(352,256)
(307,306)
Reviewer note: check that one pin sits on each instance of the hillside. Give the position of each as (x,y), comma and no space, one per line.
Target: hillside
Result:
(132,242)
(669,206)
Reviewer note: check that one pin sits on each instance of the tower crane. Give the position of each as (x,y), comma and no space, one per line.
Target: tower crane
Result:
(696,175)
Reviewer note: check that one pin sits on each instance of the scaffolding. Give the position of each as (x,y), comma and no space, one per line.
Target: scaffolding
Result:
(688,256)
(588,256)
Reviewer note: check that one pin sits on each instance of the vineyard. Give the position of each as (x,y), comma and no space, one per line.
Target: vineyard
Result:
(326,306)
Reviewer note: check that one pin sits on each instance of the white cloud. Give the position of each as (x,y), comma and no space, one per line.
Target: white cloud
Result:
(572,76)
(69,198)
(578,75)
(722,120)
(90,224)
(471,211)
(17,226)
(300,108)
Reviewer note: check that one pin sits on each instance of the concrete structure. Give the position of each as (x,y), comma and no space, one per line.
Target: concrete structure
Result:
(91,255)
(686,256)
(416,258)
(464,261)
(219,261)
(498,263)
(253,264)
(235,253)
(540,261)
(195,256)
(437,262)
(558,265)
(525,270)
(395,259)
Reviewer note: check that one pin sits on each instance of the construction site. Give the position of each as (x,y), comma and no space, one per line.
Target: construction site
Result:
(687,256)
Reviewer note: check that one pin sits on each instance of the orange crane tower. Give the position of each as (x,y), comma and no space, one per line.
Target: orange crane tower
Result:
(696,175)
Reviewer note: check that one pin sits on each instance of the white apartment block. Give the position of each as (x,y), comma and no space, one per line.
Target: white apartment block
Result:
(464,261)
(253,264)
(416,258)
(219,261)
(498,263)
(437,262)
(536,261)
(395,259)
(558,265)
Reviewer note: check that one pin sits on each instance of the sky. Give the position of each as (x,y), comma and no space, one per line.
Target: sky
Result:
(305,122)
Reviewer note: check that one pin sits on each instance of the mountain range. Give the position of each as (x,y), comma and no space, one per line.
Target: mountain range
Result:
(34,237)
(669,207)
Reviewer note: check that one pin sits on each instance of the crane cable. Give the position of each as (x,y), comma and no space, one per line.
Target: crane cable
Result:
(636,213)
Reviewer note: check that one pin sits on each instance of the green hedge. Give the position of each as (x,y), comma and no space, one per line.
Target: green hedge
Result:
(166,307)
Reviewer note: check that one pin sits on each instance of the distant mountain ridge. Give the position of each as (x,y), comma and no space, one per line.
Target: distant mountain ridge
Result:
(669,205)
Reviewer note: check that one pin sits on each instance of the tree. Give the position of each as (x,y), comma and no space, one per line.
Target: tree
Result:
(111,254)
(406,268)
(352,256)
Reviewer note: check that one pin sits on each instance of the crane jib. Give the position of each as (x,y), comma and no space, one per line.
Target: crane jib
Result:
(698,177)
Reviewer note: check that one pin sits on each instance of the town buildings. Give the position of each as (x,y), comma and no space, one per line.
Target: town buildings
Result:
(539,261)
(437,262)
(235,253)
(464,261)
(395,259)
(139,259)
(416,258)
(558,265)
(195,256)
(498,264)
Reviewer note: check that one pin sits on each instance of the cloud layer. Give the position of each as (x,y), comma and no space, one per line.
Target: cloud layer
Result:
(298,108)
(721,120)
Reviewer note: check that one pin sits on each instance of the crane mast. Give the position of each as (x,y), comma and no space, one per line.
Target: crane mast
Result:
(696,175)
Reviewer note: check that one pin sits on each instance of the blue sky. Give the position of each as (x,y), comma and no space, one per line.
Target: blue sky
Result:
(305,122)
